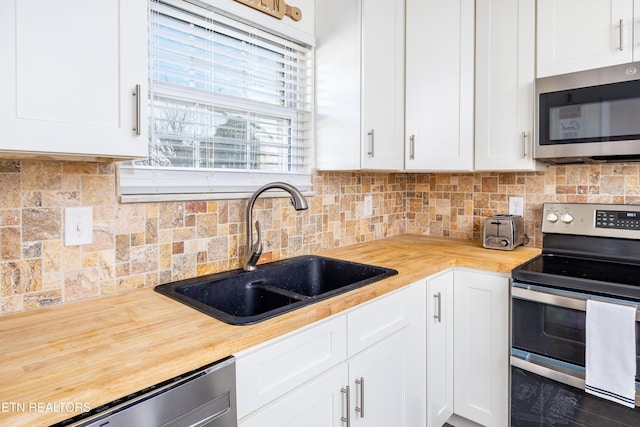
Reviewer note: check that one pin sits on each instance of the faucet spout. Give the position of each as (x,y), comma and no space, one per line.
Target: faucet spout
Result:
(254,250)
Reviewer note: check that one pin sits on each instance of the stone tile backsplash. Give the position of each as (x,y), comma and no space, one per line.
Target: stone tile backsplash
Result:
(142,244)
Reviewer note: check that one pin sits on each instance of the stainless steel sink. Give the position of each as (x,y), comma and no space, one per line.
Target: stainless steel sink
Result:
(242,297)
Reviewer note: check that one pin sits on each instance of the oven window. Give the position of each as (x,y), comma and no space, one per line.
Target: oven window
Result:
(564,323)
(554,332)
(548,330)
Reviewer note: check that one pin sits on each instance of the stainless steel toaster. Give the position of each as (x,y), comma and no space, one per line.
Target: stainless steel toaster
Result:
(504,232)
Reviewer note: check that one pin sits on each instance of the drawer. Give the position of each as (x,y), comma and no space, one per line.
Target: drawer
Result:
(268,371)
(380,318)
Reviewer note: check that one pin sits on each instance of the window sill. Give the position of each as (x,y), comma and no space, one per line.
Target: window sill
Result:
(193,197)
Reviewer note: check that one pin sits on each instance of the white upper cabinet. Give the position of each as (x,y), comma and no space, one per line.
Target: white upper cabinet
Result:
(68,78)
(505,74)
(576,35)
(359,84)
(439,85)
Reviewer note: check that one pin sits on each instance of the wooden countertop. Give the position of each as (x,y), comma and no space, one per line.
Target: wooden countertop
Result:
(94,351)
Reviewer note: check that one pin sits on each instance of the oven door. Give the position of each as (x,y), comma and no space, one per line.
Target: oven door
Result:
(551,323)
(547,362)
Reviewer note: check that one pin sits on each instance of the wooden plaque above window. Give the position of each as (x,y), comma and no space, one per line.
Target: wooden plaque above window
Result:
(275,8)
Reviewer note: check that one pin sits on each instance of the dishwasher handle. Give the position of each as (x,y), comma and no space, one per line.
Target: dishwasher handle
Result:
(204,414)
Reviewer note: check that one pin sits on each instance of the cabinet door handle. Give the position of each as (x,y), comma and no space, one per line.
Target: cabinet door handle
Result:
(347,419)
(360,382)
(412,147)
(621,30)
(438,315)
(371,142)
(524,144)
(137,119)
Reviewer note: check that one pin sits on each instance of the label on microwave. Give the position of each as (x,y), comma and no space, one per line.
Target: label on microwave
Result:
(579,121)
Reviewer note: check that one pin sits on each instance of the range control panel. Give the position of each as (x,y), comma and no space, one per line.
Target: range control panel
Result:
(591,219)
(618,219)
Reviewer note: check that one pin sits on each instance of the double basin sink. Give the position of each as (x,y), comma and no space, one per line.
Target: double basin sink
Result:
(243,297)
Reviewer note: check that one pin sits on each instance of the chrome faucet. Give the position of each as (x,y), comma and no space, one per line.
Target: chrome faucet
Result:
(253,251)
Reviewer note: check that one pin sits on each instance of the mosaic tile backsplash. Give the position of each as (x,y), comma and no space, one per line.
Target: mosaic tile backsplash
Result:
(143,244)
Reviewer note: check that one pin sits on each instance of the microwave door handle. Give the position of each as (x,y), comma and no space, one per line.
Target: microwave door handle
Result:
(575,302)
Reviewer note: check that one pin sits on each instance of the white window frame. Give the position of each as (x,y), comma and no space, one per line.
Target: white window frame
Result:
(152,183)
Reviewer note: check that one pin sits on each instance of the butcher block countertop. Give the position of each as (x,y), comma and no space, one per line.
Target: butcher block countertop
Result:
(84,354)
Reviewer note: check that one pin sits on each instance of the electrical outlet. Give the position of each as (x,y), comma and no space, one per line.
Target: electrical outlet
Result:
(368,205)
(516,206)
(78,226)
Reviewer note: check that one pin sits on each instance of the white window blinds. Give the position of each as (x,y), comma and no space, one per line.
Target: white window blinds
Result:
(229,106)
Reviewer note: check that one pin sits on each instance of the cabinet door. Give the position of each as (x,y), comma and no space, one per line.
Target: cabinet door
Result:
(377,380)
(393,368)
(481,342)
(318,403)
(439,82)
(271,370)
(577,35)
(382,84)
(337,74)
(505,72)
(359,84)
(439,349)
(68,77)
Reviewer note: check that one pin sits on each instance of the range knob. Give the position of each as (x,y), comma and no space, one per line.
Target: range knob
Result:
(552,217)
(566,217)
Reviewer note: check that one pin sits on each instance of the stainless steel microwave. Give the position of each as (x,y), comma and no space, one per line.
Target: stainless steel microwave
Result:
(589,116)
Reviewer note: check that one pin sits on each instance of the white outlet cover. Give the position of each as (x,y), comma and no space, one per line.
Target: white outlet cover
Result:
(78,226)
(368,205)
(516,206)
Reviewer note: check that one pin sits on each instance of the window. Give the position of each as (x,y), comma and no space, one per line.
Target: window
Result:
(229,106)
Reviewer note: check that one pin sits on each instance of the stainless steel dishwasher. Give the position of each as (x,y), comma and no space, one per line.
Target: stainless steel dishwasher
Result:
(205,397)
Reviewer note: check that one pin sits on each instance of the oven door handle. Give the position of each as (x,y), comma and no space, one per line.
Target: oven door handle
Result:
(575,301)
(543,370)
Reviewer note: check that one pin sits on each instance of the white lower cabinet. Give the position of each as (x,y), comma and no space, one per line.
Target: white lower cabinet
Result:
(268,371)
(416,357)
(439,348)
(481,342)
(467,348)
(318,403)
(381,382)
(380,385)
